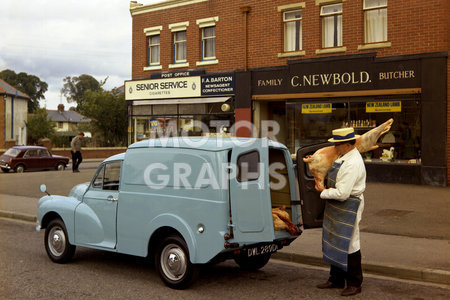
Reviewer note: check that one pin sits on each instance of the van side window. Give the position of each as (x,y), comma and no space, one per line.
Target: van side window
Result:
(248,166)
(98,181)
(112,176)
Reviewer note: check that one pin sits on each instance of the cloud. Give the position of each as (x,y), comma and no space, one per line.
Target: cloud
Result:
(53,39)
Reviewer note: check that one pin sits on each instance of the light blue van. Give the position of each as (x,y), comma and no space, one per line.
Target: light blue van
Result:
(181,201)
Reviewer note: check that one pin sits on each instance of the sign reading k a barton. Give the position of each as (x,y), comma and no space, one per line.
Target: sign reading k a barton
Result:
(182,87)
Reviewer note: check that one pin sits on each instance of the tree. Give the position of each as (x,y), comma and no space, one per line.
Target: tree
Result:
(38,126)
(108,112)
(75,87)
(28,84)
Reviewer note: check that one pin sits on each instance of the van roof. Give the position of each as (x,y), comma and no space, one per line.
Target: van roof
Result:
(204,143)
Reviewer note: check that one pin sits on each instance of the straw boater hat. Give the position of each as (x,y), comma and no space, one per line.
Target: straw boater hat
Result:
(343,135)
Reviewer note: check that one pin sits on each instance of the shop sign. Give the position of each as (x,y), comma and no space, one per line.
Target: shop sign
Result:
(177,74)
(217,85)
(354,73)
(316,108)
(154,123)
(383,106)
(163,88)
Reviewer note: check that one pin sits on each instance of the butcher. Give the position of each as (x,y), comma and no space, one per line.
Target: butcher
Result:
(343,210)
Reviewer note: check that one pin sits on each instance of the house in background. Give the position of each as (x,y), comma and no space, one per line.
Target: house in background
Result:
(13,115)
(67,121)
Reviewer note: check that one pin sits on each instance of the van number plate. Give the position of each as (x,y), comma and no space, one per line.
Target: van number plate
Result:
(260,250)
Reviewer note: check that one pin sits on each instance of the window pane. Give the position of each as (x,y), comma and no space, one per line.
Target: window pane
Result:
(210,48)
(112,176)
(374,3)
(376,25)
(292,15)
(154,40)
(248,166)
(209,32)
(293,36)
(98,181)
(332,31)
(331,9)
(180,36)
(154,54)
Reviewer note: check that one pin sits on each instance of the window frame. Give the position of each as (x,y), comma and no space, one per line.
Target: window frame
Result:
(239,164)
(323,17)
(203,42)
(367,9)
(149,32)
(298,34)
(177,43)
(150,45)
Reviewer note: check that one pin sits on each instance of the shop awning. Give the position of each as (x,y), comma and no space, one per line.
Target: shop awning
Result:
(182,101)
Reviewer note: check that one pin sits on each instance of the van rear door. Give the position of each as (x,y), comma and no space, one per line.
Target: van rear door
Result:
(251,214)
(312,205)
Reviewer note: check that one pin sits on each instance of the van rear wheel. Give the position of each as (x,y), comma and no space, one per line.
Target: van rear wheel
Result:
(252,263)
(173,264)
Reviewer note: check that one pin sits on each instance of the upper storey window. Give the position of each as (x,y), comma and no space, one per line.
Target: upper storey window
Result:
(154,50)
(331,16)
(375,21)
(292,30)
(179,46)
(209,43)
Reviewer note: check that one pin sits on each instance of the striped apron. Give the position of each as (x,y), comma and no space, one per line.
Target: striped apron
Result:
(338,223)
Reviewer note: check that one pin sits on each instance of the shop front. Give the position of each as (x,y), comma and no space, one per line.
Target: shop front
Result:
(309,98)
(176,104)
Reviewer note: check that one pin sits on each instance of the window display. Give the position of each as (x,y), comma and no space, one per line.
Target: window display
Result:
(402,144)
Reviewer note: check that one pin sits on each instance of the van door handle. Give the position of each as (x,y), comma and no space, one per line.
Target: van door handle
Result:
(112,199)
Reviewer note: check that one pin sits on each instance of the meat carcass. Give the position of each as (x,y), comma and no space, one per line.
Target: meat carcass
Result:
(282,220)
(321,161)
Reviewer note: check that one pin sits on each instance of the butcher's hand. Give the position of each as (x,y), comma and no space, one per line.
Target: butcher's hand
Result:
(319,188)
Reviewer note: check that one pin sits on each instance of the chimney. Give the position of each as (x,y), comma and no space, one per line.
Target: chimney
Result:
(61,108)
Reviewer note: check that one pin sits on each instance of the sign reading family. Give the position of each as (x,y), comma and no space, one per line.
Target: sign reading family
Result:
(316,108)
(383,106)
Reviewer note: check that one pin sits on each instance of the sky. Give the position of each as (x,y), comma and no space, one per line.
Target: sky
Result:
(53,39)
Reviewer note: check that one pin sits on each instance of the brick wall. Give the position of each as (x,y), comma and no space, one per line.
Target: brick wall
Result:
(414,27)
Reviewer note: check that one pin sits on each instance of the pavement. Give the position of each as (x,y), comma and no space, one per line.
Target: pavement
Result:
(405,232)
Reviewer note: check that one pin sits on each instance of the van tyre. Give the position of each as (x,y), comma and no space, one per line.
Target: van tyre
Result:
(252,263)
(173,264)
(57,244)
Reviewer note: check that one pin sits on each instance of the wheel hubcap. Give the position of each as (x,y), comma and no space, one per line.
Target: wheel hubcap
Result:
(56,241)
(173,262)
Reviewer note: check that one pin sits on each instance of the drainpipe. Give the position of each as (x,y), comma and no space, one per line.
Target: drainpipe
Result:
(246,10)
(12,115)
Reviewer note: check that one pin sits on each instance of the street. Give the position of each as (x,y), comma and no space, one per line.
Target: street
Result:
(27,273)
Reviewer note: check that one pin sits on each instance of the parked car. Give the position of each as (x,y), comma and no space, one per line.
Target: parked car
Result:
(22,158)
(181,203)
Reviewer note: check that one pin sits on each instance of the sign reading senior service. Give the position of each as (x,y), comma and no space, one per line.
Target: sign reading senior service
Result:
(163,88)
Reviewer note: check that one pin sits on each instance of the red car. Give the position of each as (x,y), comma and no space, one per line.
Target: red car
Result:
(21,158)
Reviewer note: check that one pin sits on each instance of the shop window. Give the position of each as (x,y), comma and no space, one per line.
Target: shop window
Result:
(292,30)
(375,21)
(331,16)
(154,50)
(209,43)
(402,144)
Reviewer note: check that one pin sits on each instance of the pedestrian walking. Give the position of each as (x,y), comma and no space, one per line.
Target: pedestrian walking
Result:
(343,211)
(75,145)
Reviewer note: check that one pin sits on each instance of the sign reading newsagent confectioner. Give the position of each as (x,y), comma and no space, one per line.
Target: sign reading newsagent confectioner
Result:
(180,87)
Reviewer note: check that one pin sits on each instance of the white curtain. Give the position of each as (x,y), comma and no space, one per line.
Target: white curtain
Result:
(293,36)
(376,25)
(332,31)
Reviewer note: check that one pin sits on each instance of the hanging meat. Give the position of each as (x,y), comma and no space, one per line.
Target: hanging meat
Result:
(321,161)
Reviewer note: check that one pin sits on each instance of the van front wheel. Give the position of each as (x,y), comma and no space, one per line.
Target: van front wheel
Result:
(173,264)
(252,263)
